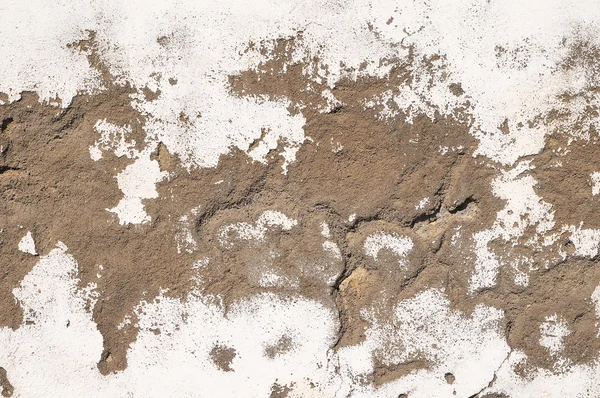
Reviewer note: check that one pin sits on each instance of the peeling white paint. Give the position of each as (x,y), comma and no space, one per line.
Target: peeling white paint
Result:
(553,332)
(505,55)
(137,182)
(56,351)
(44,63)
(577,380)
(586,241)
(399,245)
(246,231)
(114,138)
(422,203)
(595,179)
(508,59)
(27,244)
(524,209)
(509,74)
(67,345)
(425,328)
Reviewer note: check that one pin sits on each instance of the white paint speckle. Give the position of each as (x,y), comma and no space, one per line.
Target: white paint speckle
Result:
(325,230)
(333,249)
(595,179)
(596,300)
(256,232)
(399,245)
(553,332)
(95,153)
(113,138)
(421,205)
(27,244)
(586,241)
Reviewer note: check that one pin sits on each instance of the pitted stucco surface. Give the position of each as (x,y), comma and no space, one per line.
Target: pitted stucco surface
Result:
(319,198)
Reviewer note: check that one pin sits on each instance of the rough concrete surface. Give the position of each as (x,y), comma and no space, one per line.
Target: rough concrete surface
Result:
(307,198)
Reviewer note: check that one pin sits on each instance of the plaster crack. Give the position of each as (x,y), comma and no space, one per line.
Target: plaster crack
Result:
(493,380)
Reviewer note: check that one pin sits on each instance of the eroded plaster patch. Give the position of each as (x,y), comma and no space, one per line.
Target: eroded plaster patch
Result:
(60,330)
(503,67)
(524,208)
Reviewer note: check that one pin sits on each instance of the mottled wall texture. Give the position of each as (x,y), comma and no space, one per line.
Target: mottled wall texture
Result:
(300,198)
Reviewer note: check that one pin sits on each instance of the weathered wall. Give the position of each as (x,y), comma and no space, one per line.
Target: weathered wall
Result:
(320,198)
